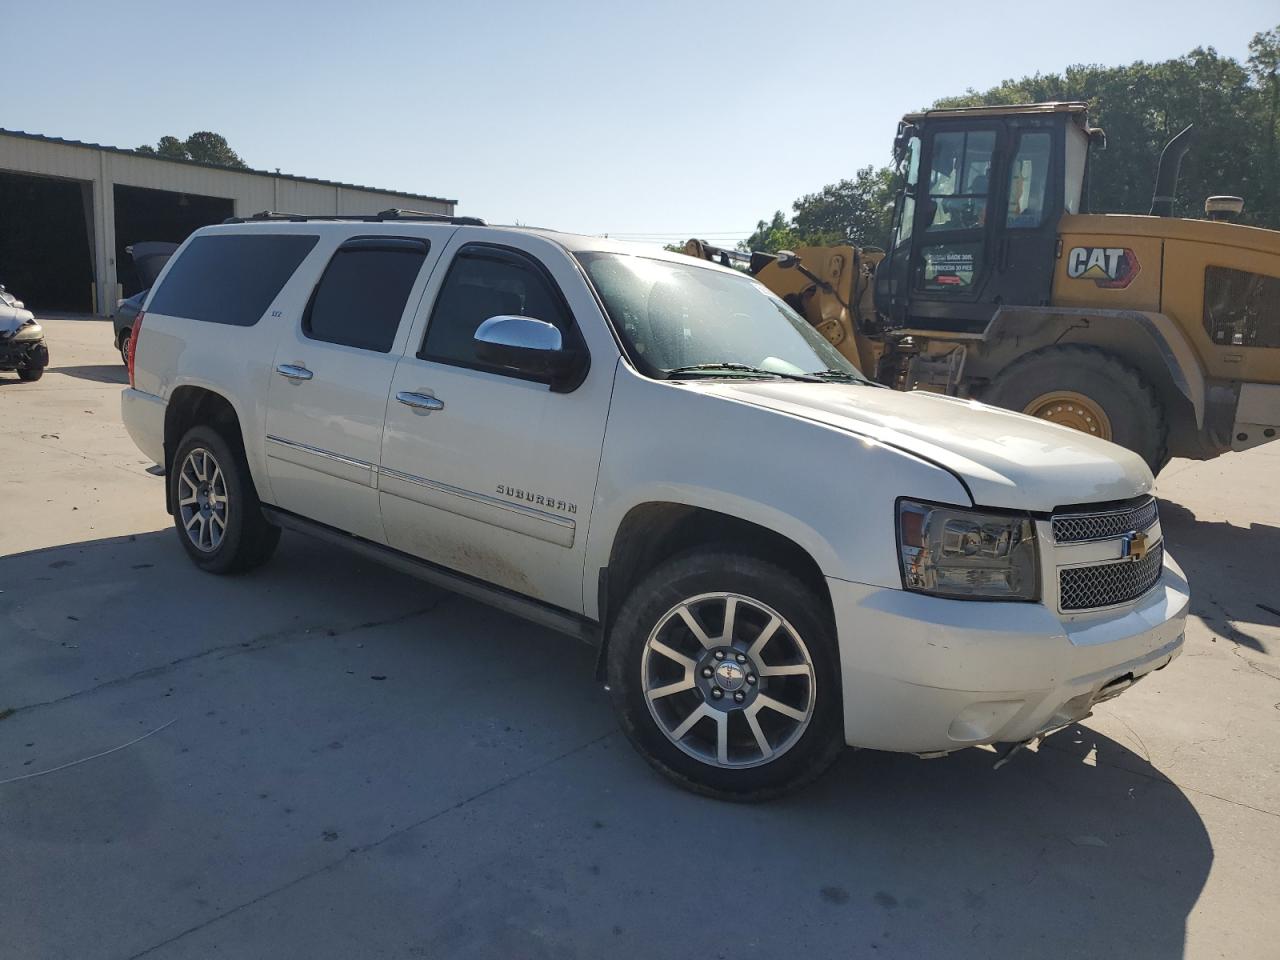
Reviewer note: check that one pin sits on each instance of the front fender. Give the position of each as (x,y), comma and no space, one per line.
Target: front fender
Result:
(828,491)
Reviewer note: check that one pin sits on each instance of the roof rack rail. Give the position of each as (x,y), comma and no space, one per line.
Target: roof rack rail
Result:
(393,213)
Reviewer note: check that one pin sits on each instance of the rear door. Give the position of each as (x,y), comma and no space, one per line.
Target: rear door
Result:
(497,477)
(333,367)
(1026,211)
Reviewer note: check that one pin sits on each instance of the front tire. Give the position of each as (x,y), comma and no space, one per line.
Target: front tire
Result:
(30,374)
(724,676)
(216,510)
(122,344)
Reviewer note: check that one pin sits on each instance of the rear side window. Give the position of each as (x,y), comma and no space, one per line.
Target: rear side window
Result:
(230,278)
(362,295)
(483,282)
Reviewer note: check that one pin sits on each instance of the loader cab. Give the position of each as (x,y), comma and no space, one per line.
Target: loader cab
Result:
(976,218)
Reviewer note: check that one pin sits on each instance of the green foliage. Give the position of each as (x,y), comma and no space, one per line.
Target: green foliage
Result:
(772,235)
(204,146)
(1235,108)
(857,211)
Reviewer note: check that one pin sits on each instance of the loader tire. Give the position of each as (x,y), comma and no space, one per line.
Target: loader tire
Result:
(1090,390)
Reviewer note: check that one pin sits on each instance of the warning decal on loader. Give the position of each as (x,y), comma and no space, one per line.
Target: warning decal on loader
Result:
(1108,267)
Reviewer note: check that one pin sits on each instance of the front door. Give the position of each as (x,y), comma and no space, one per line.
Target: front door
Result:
(485,472)
(328,392)
(951,264)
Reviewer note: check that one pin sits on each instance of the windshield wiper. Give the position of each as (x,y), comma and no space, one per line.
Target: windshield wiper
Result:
(730,366)
(843,375)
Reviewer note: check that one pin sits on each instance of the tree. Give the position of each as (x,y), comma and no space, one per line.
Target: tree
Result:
(857,211)
(203,145)
(1264,66)
(772,236)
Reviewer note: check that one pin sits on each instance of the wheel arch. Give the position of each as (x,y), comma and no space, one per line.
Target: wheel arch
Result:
(1150,342)
(189,405)
(653,532)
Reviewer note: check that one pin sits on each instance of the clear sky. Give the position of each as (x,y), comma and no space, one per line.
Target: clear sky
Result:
(668,119)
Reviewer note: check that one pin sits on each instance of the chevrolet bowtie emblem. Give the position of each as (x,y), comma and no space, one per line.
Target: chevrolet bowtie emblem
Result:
(1135,545)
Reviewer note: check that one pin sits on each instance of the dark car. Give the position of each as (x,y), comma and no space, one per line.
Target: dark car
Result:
(126,311)
(149,258)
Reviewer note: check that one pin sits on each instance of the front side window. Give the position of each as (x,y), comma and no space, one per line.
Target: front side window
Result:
(486,281)
(230,278)
(1241,309)
(361,297)
(1028,178)
(960,179)
(673,317)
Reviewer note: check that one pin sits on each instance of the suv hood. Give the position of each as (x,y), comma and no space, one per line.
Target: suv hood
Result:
(1006,459)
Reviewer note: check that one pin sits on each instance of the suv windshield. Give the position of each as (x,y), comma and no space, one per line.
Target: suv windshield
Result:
(683,320)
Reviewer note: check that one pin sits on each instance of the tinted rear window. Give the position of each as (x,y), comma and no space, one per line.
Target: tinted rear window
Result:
(230,278)
(362,295)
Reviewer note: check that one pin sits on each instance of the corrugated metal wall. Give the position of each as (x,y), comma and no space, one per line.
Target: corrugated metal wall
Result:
(249,192)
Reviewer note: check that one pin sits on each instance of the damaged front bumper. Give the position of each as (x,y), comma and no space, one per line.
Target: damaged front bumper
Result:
(926,675)
(23,354)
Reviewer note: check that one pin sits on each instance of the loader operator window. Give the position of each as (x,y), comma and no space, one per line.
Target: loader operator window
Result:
(1027,180)
(960,179)
(959,189)
(907,212)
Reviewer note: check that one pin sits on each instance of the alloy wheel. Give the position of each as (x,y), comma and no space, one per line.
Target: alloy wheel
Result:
(203,504)
(728,680)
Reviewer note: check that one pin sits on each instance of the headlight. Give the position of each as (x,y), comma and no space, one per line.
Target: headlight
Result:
(29,331)
(954,552)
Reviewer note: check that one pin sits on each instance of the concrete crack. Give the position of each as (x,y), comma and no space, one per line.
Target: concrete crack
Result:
(262,642)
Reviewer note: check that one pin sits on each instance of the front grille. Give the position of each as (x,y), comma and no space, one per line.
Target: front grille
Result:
(1105,584)
(1079,527)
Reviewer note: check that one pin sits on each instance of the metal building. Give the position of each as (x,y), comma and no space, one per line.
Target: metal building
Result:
(68,210)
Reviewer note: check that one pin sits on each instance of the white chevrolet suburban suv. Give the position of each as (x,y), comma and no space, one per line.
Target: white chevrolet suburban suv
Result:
(776,556)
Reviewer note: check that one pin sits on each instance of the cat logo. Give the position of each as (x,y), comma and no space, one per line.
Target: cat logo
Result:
(1112,268)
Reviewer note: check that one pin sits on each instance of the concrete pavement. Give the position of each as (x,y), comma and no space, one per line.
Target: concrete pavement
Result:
(358,765)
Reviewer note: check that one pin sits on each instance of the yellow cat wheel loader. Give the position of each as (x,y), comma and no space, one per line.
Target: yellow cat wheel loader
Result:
(1158,333)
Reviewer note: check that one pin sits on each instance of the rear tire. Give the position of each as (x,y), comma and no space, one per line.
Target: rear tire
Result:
(1131,411)
(31,374)
(122,343)
(778,702)
(216,510)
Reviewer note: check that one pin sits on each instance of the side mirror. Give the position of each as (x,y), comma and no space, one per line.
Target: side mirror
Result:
(787,259)
(525,345)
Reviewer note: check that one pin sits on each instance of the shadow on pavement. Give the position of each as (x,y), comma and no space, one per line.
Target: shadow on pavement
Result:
(1247,578)
(364,766)
(96,372)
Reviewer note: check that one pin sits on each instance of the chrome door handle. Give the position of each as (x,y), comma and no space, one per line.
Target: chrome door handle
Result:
(419,401)
(294,371)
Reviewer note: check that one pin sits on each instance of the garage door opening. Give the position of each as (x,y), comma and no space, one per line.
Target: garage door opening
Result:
(45,258)
(143,214)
